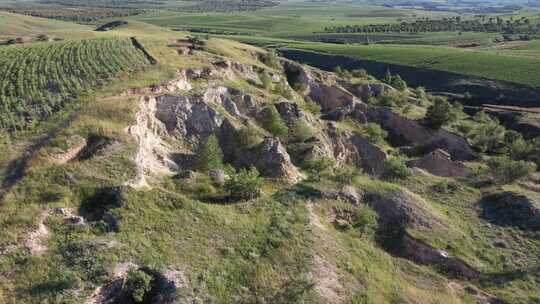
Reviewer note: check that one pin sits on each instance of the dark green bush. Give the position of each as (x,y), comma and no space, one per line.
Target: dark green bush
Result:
(373,133)
(440,113)
(445,187)
(210,156)
(274,124)
(395,168)
(507,171)
(137,285)
(245,185)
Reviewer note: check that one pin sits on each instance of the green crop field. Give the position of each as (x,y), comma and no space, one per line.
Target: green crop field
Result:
(37,79)
(487,64)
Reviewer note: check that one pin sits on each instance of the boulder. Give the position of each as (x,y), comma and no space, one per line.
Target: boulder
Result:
(405,132)
(349,194)
(511,209)
(439,163)
(246,105)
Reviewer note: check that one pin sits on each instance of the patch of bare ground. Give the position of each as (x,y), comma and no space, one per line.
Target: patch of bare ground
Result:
(35,239)
(324,272)
(108,293)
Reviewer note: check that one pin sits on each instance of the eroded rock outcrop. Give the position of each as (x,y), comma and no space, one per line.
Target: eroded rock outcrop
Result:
(511,209)
(179,83)
(368,90)
(422,253)
(404,209)
(355,149)
(439,163)
(153,154)
(272,160)
(325,91)
(187,118)
(76,145)
(406,132)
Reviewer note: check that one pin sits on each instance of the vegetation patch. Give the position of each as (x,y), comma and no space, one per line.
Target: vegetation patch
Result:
(39,79)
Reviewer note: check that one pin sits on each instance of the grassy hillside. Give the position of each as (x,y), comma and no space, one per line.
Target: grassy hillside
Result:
(20,25)
(287,246)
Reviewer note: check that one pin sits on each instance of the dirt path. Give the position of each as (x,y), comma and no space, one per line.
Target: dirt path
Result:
(324,272)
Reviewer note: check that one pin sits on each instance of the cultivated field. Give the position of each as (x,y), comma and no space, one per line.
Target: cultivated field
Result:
(37,79)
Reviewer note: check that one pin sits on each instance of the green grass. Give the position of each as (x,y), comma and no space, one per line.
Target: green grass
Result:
(516,69)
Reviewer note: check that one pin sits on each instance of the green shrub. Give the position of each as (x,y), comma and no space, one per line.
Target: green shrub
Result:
(389,99)
(516,146)
(395,168)
(317,168)
(274,124)
(247,137)
(137,284)
(346,174)
(300,132)
(312,106)
(245,185)
(271,59)
(373,133)
(365,221)
(507,171)
(440,113)
(360,73)
(211,156)
(266,80)
(445,187)
(284,90)
(398,83)
(488,137)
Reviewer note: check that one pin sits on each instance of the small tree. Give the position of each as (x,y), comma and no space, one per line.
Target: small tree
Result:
(274,124)
(245,185)
(508,171)
(395,168)
(211,156)
(271,59)
(398,83)
(388,77)
(266,80)
(439,114)
(137,284)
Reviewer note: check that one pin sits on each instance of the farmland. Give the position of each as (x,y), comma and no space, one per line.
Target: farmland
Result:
(39,78)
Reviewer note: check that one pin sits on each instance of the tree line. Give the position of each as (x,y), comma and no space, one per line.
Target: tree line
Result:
(511,25)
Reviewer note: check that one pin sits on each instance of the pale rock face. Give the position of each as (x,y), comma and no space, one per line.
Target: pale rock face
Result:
(272,160)
(188,119)
(326,92)
(405,132)
(153,155)
(439,163)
